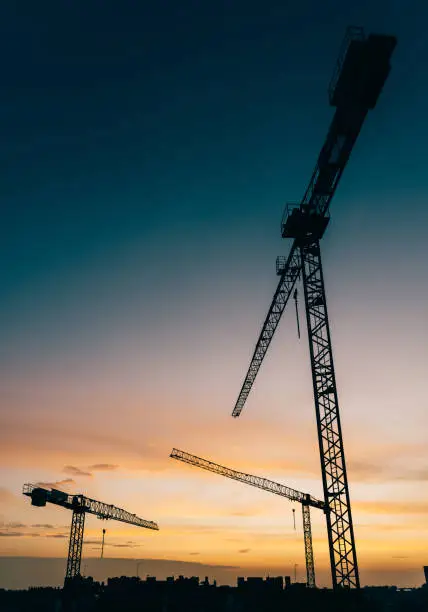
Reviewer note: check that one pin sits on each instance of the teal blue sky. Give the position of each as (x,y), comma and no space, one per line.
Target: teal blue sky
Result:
(180,130)
(147,153)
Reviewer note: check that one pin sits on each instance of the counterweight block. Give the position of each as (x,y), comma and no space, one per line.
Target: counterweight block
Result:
(362,69)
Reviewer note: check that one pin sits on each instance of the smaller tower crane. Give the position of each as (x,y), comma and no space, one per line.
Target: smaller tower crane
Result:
(266,485)
(80,505)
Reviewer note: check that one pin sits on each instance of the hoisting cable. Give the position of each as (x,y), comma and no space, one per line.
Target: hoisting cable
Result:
(295,295)
(102,545)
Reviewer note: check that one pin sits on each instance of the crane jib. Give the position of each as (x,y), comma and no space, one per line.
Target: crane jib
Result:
(250,479)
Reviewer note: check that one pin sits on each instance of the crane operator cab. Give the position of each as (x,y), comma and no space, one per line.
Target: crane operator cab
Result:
(39,497)
(303,222)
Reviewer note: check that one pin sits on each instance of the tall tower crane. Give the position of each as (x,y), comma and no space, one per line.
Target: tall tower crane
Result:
(361,71)
(80,506)
(273,487)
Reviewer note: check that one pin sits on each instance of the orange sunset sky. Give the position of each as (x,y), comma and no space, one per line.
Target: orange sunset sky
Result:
(143,191)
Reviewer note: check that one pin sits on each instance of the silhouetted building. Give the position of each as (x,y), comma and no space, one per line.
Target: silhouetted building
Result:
(298,586)
(256,583)
(426,573)
(253,594)
(275,582)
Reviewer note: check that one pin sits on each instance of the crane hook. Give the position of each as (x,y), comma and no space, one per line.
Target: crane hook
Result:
(102,545)
(294,519)
(295,296)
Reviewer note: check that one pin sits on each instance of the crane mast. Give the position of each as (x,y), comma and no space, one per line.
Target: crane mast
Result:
(272,487)
(362,69)
(80,506)
(75,544)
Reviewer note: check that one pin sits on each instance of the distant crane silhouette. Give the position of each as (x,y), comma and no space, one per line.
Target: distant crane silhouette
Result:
(361,71)
(80,506)
(266,485)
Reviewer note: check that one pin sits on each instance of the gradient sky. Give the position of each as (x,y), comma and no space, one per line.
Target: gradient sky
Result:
(147,153)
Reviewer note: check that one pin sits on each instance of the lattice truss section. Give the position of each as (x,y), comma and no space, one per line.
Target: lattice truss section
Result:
(107,511)
(76,543)
(309,553)
(342,135)
(93,506)
(280,299)
(341,536)
(255,481)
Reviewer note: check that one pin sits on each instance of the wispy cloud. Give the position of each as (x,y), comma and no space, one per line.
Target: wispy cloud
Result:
(75,471)
(390,527)
(244,550)
(142,454)
(128,544)
(420,474)
(103,467)
(6,496)
(365,470)
(392,507)
(56,535)
(233,539)
(67,482)
(43,526)
(250,512)
(18,534)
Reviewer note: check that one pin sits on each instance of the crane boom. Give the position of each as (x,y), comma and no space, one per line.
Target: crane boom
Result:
(339,143)
(91,506)
(279,302)
(255,481)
